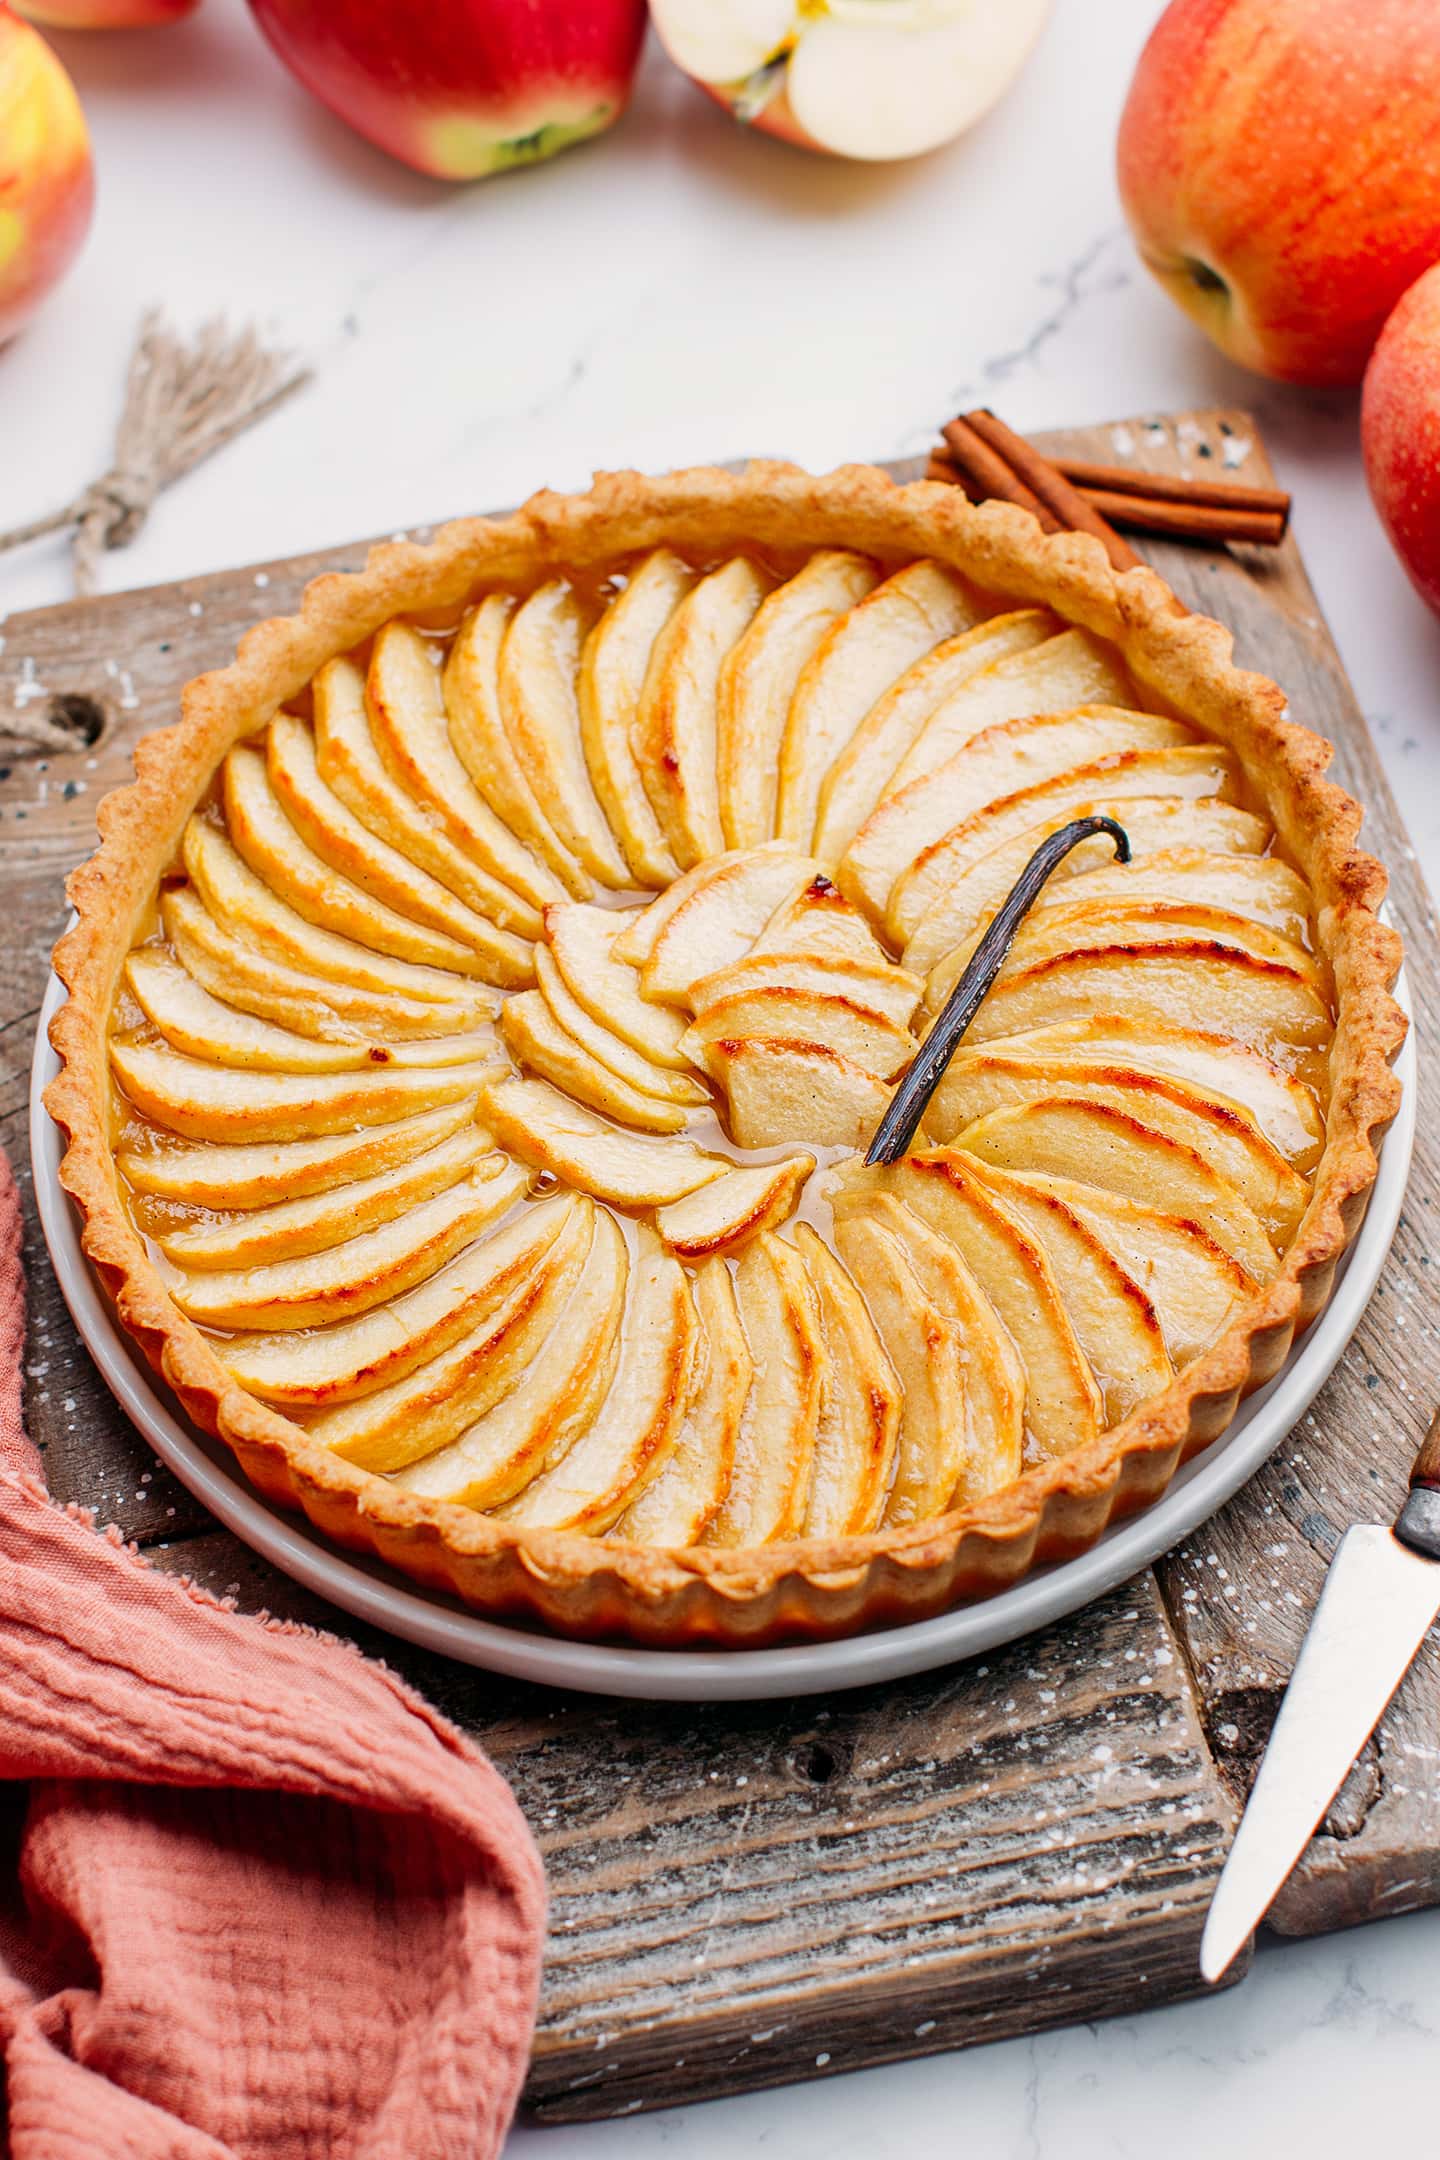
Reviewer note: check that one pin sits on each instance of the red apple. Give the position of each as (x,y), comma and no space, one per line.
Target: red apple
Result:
(1400,432)
(458,88)
(1279,163)
(866,79)
(47,183)
(104,14)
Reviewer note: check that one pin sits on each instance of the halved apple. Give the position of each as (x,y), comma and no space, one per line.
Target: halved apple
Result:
(335,1364)
(289,1229)
(613,664)
(758,679)
(539,1043)
(558,1398)
(639,1422)
(861,774)
(357,1274)
(1154,824)
(475,723)
(610,1048)
(720,1217)
(861,1403)
(1066,672)
(820,921)
(998,762)
(539,661)
(552,1133)
(411,1417)
(877,987)
(722,917)
(348,760)
(1096,1145)
(252,1175)
(781,1012)
(779,1092)
(215,1102)
(675,730)
(583,942)
(855,663)
(676,1508)
(769,1489)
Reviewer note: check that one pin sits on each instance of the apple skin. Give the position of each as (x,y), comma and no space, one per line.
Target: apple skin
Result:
(1400,433)
(461,88)
(1279,164)
(104,14)
(47,181)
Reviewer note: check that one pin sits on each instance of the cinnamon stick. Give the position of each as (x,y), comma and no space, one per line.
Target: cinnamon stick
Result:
(991,477)
(1170,487)
(1174,508)
(1036,473)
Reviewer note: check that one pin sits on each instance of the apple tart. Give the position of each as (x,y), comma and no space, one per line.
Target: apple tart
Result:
(483,1000)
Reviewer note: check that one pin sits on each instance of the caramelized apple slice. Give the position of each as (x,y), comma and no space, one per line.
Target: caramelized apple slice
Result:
(821,923)
(539,662)
(1063,1405)
(758,680)
(1097,1145)
(250,1176)
(405,701)
(1192,1282)
(348,760)
(1070,670)
(434,1402)
(1079,925)
(641,930)
(722,916)
(476,727)
(357,1274)
(559,1397)
(215,1102)
(609,1048)
(876,987)
(995,1076)
(639,1422)
(539,1043)
(862,772)
(583,943)
(676,1508)
(1116,1324)
(542,1126)
(1156,825)
(860,1404)
(780,1092)
(613,664)
(335,1364)
(769,1490)
(720,1217)
(675,730)
(782,1013)
(1256,888)
(854,664)
(1000,761)
(292,1228)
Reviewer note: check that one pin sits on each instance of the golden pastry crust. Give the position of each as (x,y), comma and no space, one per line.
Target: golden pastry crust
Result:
(817,1587)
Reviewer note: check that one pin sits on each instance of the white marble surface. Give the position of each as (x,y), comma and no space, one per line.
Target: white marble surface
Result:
(680,292)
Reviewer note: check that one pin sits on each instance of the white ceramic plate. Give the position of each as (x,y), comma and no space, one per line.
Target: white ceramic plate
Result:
(372,1593)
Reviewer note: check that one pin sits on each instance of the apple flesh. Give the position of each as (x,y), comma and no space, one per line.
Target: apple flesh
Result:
(1279,164)
(461,88)
(47,182)
(104,14)
(870,79)
(1400,432)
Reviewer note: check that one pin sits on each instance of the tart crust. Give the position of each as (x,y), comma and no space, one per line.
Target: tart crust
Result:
(821,1586)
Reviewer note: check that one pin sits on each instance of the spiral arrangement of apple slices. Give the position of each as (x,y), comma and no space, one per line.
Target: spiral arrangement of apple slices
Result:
(494,1079)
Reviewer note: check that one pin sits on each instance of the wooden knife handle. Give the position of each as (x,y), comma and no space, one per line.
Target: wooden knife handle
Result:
(1418,1524)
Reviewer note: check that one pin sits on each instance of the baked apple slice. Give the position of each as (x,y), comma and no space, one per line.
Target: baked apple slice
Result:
(582,942)
(1258,888)
(539,702)
(675,732)
(820,922)
(1068,672)
(877,987)
(613,664)
(769,1489)
(862,772)
(758,680)
(854,664)
(722,917)
(538,1043)
(552,1133)
(719,1218)
(202,1026)
(676,1508)
(610,1048)
(782,1013)
(216,1102)
(860,1404)
(779,1093)
(250,1174)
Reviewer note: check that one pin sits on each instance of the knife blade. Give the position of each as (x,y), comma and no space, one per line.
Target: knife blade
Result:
(1380,1599)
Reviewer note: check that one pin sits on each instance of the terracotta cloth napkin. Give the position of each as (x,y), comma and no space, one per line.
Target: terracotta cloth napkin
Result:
(256,1898)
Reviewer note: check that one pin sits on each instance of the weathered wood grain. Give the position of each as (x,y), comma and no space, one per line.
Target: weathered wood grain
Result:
(923,1865)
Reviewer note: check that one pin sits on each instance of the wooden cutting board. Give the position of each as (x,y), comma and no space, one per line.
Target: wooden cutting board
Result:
(743,1897)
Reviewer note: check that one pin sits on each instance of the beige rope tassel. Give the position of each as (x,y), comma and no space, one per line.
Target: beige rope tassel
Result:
(182,402)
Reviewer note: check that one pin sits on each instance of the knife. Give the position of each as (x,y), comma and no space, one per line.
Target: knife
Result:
(1381,1597)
